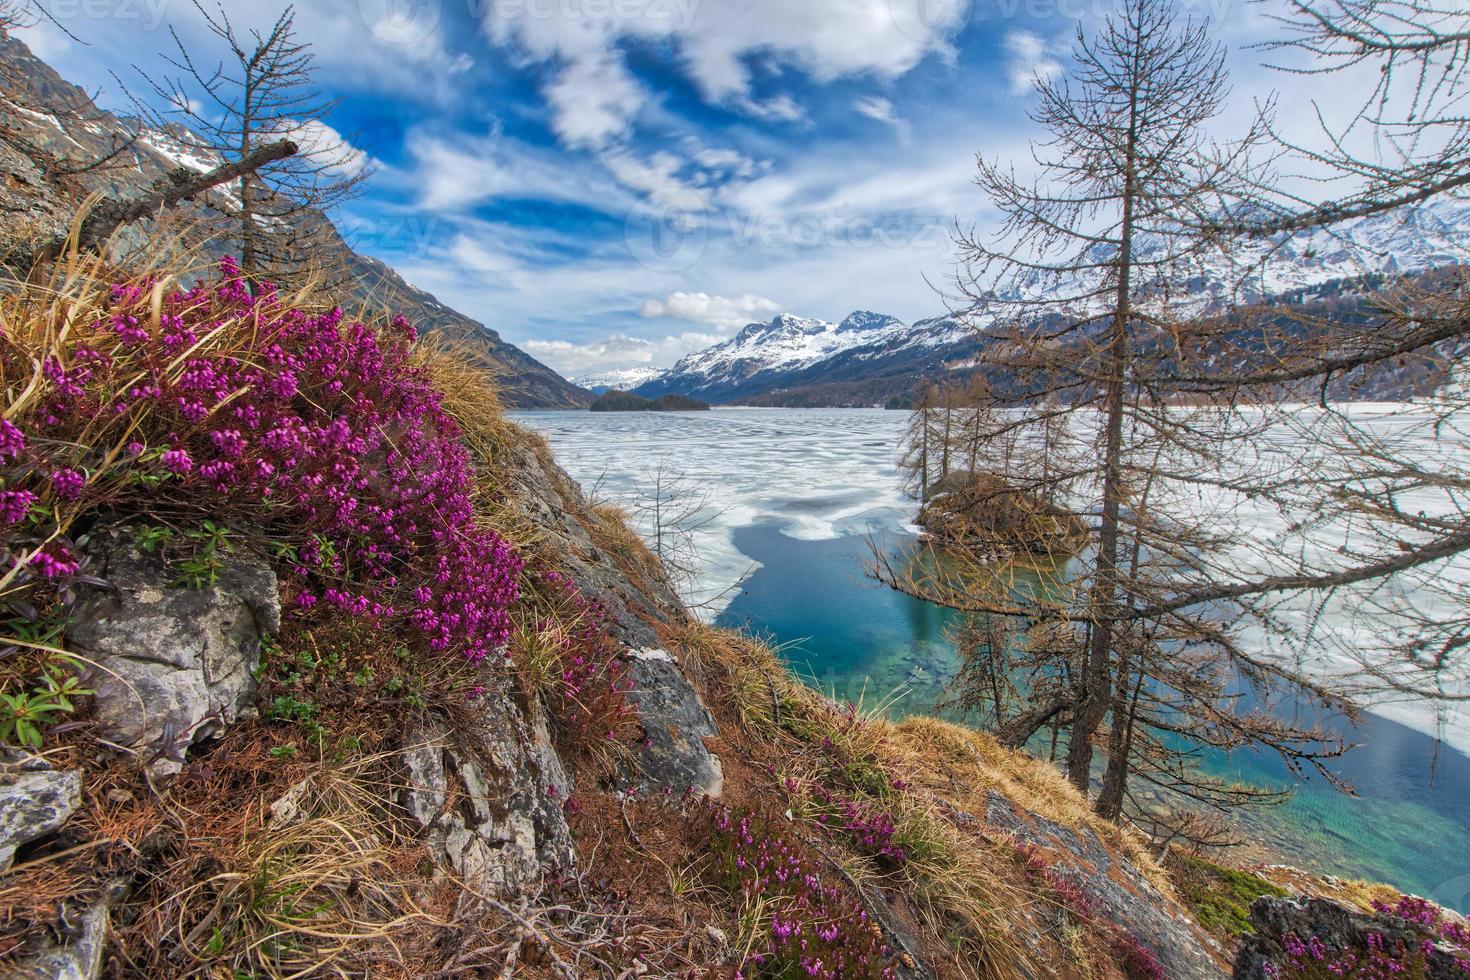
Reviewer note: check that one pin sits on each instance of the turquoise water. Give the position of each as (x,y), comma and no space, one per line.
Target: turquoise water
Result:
(1409,825)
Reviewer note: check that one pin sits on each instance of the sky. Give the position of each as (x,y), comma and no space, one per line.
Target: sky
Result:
(615,183)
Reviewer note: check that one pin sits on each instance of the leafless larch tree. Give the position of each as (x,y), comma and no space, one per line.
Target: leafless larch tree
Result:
(262,91)
(1089,328)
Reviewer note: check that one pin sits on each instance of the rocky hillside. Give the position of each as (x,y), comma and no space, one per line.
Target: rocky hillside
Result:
(68,125)
(315,666)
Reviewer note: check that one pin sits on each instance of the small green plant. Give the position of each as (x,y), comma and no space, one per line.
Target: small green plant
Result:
(207,546)
(154,538)
(287,751)
(25,715)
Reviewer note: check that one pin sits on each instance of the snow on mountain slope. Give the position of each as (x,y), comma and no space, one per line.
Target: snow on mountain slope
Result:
(790,352)
(620,380)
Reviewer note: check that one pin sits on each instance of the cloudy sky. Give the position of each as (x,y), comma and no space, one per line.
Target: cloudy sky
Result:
(613,183)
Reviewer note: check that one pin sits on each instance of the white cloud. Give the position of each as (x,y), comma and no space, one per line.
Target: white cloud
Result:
(655,178)
(876,107)
(453,174)
(1028,58)
(328,149)
(723,313)
(616,352)
(593,98)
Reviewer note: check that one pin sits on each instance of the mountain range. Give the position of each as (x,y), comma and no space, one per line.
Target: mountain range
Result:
(871,358)
(42,200)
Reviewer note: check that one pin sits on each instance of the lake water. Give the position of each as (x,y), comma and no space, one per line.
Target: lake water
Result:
(798,495)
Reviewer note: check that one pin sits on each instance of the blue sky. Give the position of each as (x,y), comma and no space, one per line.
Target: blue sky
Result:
(614,183)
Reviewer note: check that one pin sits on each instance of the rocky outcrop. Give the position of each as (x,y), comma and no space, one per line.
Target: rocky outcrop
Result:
(673,757)
(490,796)
(552,501)
(35,800)
(174,664)
(1119,889)
(1339,930)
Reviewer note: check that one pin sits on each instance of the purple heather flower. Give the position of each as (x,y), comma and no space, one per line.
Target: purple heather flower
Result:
(67,484)
(177,461)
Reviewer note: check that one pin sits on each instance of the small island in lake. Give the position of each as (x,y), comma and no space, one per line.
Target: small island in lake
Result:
(626,401)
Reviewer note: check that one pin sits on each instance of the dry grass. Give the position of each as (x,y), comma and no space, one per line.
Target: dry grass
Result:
(962,888)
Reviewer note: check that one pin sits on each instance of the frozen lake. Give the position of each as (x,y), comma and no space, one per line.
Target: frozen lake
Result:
(795,494)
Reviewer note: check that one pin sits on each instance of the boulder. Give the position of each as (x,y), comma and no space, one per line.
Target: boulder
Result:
(1263,956)
(35,800)
(673,757)
(1121,893)
(174,664)
(490,796)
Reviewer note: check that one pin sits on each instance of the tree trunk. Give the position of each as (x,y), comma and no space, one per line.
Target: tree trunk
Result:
(1097,670)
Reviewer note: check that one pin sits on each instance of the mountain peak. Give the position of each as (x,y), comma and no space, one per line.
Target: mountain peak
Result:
(867,320)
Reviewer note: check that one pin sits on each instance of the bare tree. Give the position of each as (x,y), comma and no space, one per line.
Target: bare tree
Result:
(1086,337)
(1394,490)
(672,513)
(263,91)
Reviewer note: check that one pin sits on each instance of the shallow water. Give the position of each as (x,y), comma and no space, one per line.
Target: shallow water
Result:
(800,494)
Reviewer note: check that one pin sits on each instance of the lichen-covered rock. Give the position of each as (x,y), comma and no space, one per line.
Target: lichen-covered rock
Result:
(35,800)
(1119,889)
(674,756)
(490,796)
(174,664)
(1273,920)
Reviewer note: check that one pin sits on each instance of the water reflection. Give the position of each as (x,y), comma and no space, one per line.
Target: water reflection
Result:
(860,641)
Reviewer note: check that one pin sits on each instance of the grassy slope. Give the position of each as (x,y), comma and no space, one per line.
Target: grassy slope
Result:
(219,888)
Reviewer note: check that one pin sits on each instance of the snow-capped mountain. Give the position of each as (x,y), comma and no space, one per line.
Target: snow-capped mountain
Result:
(619,380)
(870,358)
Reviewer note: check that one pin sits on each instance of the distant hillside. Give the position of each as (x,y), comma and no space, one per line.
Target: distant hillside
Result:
(41,200)
(872,359)
(623,401)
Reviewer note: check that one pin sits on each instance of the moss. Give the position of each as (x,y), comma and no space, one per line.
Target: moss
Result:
(1220,897)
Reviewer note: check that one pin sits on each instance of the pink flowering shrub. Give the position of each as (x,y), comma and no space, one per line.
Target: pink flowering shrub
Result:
(1137,961)
(589,683)
(1381,958)
(816,930)
(866,826)
(310,431)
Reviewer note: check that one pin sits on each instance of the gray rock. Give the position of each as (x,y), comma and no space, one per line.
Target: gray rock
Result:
(174,664)
(490,797)
(35,800)
(1339,928)
(546,496)
(1122,894)
(78,956)
(674,756)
